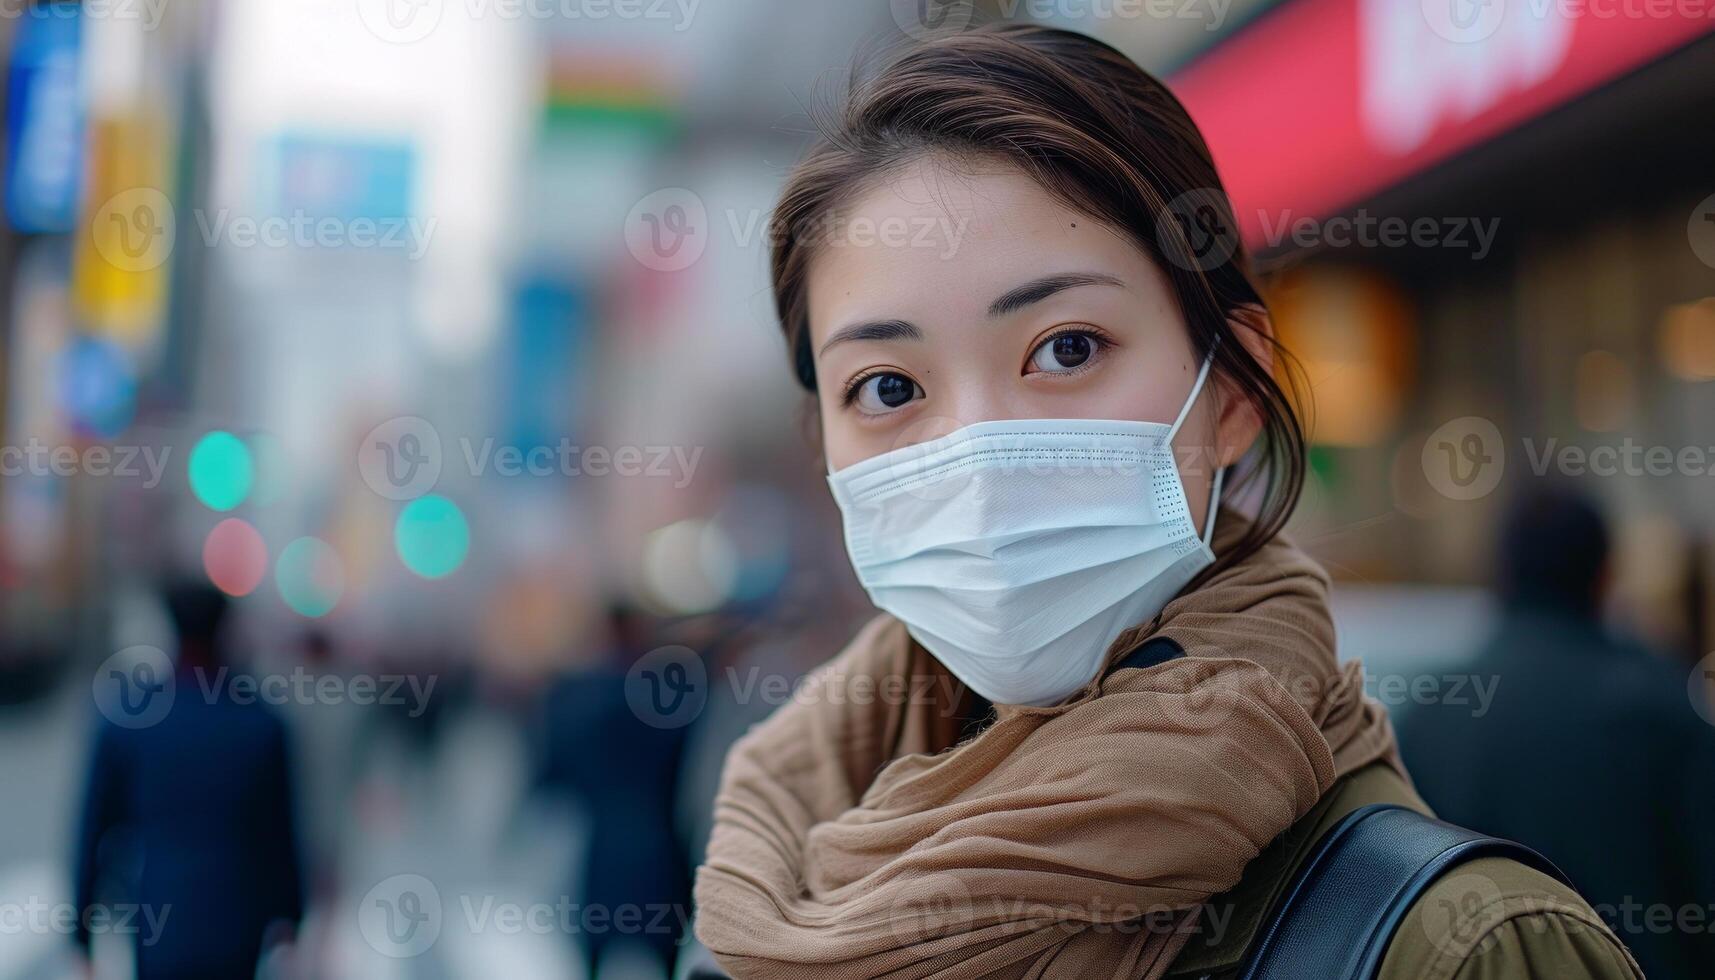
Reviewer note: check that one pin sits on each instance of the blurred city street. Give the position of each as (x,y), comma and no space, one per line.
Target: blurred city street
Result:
(406,496)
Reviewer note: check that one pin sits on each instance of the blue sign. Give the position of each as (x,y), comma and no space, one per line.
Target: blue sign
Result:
(44,124)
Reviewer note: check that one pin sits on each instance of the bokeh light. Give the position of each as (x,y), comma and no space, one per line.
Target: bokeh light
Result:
(235,557)
(310,577)
(221,471)
(1688,340)
(431,536)
(689,567)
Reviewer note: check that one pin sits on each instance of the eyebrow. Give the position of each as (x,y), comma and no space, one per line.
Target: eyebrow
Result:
(1038,290)
(874,330)
(1014,299)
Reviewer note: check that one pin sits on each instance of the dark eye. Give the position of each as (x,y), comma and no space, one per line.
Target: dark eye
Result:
(879,394)
(1064,352)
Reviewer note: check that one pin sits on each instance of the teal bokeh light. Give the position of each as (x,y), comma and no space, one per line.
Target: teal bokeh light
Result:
(310,576)
(221,470)
(431,536)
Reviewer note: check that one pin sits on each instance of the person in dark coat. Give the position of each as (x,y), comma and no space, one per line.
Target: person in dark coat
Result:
(1590,751)
(189,817)
(621,761)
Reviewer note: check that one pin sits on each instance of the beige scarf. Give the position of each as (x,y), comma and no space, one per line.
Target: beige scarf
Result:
(856,836)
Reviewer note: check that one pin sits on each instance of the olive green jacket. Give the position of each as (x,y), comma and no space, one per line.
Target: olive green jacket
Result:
(1489,919)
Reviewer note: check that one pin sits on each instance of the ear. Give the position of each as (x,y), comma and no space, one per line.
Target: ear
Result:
(1241,420)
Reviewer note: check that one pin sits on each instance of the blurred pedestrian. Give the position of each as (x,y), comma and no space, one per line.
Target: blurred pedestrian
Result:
(624,767)
(190,819)
(1589,751)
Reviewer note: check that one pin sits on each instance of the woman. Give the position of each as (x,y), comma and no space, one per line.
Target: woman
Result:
(1100,707)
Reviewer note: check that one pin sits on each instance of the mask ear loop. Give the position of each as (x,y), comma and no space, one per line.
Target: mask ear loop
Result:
(1215,484)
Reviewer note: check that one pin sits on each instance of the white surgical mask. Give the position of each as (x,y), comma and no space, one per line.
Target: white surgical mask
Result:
(1017,551)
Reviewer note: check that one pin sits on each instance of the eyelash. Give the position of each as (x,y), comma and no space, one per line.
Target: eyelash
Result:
(856,384)
(1102,339)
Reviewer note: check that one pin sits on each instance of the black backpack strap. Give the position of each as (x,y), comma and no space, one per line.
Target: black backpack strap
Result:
(1340,911)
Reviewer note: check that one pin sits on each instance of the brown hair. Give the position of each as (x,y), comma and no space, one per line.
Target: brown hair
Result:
(1090,127)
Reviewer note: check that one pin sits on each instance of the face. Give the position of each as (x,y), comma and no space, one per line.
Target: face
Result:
(993,300)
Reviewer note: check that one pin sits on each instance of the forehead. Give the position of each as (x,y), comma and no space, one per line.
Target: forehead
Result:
(940,235)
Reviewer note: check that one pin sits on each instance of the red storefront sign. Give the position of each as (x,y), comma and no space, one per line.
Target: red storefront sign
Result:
(1323,102)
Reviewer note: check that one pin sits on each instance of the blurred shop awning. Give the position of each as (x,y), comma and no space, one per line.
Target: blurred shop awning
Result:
(1318,104)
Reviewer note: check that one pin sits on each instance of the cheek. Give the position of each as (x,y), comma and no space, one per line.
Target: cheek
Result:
(1137,392)
(841,444)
